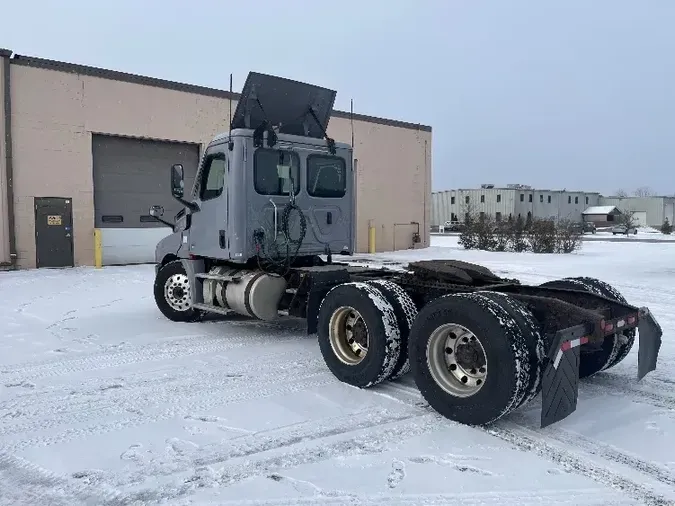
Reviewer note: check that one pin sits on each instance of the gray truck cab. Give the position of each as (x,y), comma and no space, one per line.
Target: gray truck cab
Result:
(274,189)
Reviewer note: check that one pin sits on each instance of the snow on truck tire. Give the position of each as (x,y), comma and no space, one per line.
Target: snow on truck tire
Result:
(172,293)
(358,334)
(614,348)
(406,312)
(476,356)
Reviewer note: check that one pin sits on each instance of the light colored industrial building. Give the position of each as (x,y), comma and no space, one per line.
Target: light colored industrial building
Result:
(512,200)
(83,147)
(647,211)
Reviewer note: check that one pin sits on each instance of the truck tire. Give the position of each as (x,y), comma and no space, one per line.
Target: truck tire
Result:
(531,329)
(497,355)
(172,293)
(358,334)
(406,312)
(614,348)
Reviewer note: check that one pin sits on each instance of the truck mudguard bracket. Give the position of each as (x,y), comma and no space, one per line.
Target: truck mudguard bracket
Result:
(650,333)
(560,383)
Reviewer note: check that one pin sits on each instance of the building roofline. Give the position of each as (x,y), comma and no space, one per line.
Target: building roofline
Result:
(516,190)
(115,75)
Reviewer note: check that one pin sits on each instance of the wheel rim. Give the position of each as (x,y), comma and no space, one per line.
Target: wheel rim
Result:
(177,292)
(348,335)
(457,360)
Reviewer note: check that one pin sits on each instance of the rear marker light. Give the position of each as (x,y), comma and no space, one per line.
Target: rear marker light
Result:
(609,327)
(631,320)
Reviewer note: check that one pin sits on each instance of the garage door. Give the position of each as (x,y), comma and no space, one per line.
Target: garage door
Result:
(130,175)
(640,218)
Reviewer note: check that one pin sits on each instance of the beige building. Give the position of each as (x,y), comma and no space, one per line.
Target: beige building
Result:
(60,121)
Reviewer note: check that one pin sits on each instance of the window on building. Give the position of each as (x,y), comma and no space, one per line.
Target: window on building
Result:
(586,200)
(576,200)
(266,180)
(466,217)
(452,200)
(569,199)
(326,176)
(466,199)
(482,199)
(213,176)
(541,197)
(499,197)
(549,199)
(482,216)
(530,197)
(453,217)
(522,197)
(498,216)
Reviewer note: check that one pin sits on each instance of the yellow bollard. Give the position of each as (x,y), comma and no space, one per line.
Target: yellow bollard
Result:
(371,239)
(98,248)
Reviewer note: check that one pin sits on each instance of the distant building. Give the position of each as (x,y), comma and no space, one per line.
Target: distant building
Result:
(513,200)
(602,216)
(647,211)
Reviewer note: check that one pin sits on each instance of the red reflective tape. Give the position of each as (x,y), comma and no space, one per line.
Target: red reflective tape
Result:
(573,343)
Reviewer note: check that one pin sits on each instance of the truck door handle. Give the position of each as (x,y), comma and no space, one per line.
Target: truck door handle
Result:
(329,218)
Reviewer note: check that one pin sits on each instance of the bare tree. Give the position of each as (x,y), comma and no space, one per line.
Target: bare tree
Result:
(627,218)
(644,191)
(621,193)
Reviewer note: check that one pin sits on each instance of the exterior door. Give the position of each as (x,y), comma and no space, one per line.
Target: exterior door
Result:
(54,232)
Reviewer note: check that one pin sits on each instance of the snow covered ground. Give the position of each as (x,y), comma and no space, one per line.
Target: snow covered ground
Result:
(105,402)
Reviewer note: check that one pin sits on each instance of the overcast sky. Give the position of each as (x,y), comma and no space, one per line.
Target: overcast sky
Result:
(556,94)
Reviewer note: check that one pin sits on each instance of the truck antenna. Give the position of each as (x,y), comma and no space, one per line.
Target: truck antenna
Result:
(230,145)
(351,119)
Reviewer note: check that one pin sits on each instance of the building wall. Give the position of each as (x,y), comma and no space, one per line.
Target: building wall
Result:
(55,112)
(562,205)
(4,208)
(657,208)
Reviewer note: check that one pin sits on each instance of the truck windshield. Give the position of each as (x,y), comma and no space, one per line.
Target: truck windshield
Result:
(326,176)
(266,178)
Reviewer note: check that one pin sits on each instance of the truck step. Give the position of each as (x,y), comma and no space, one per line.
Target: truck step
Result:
(212,309)
(204,275)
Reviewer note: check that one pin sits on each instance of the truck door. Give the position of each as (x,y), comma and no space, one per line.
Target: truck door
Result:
(208,229)
(329,190)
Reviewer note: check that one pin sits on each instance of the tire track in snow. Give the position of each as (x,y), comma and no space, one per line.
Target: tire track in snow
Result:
(201,402)
(27,483)
(153,352)
(35,403)
(365,444)
(534,440)
(572,497)
(308,432)
(120,400)
(520,438)
(610,453)
(625,387)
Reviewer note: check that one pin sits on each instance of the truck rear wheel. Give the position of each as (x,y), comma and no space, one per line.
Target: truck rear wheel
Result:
(358,334)
(472,359)
(172,293)
(406,312)
(615,347)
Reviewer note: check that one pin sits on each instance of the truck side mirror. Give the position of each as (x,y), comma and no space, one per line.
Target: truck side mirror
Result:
(177,181)
(156,211)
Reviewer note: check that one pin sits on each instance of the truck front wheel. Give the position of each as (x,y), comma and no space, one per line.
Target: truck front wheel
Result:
(173,293)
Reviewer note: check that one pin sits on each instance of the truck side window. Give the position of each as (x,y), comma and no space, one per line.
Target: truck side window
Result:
(213,176)
(266,180)
(326,176)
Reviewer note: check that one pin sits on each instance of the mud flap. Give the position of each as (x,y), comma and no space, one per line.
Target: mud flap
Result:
(650,333)
(560,384)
